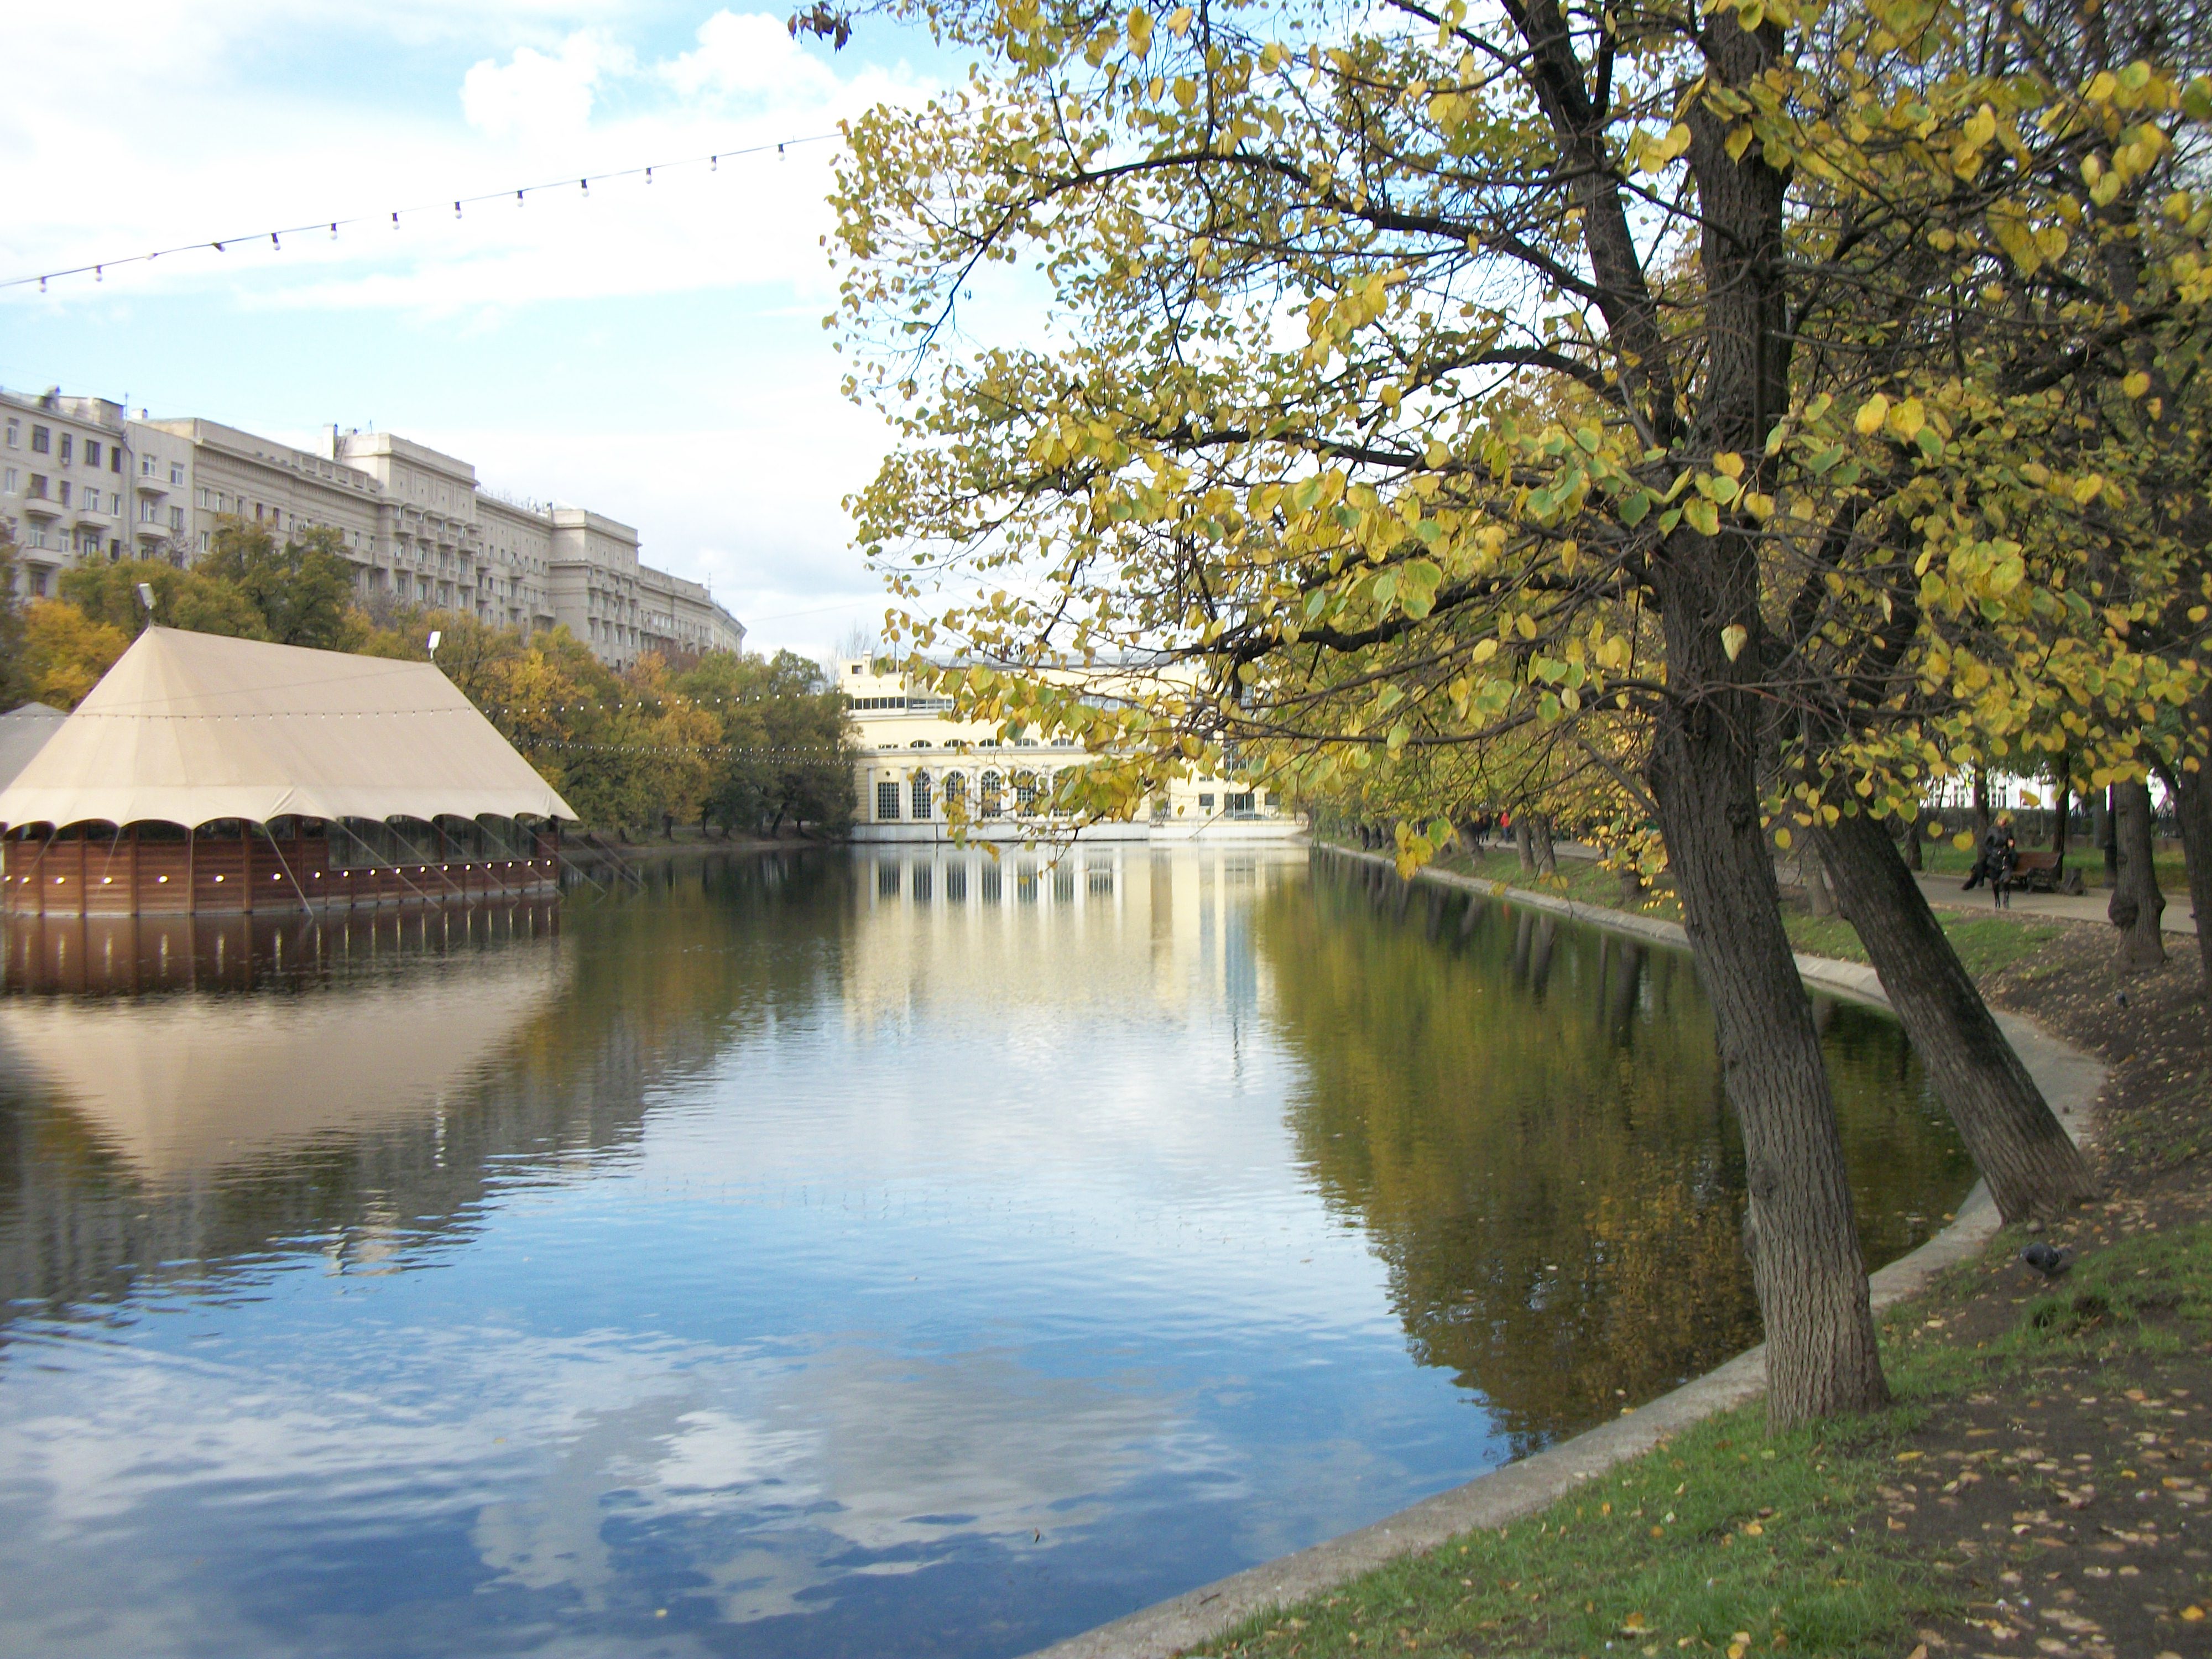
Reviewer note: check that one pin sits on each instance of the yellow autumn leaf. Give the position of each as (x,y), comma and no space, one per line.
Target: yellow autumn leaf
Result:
(2136,384)
(1872,413)
(1732,639)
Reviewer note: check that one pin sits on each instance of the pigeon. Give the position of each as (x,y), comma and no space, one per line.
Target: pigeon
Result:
(2049,1259)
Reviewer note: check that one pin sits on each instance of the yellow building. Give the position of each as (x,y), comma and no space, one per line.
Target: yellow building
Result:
(915,757)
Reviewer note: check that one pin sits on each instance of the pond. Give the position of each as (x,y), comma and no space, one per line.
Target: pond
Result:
(870,1253)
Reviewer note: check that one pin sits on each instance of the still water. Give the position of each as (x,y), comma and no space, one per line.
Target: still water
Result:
(871,1253)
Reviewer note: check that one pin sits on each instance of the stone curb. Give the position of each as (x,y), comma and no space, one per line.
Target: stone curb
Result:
(2069,1080)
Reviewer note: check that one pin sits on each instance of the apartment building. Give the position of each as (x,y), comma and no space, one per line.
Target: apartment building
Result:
(80,480)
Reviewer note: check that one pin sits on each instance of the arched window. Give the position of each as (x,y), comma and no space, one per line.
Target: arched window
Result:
(920,792)
(1025,792)
(956,794)
(986,790)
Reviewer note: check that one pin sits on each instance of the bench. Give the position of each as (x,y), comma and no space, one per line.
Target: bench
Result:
(2043,872)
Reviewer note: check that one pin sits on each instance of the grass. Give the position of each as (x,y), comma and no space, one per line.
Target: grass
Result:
(1942,858)
(1984,942)
(1724,1540)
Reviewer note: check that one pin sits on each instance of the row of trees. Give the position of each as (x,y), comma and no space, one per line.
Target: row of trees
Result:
(751,743)
(1713,421)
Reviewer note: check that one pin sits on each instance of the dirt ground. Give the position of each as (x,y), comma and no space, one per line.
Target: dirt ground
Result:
(2066,1508)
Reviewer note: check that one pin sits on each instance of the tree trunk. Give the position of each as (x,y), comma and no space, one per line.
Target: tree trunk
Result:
(1819,899)
(2016,1141)
(2137,904)
(1981,809)
(1540,833)
(1524,843)
(2062,804)
(1915,858)
(2100,831)
(1821,1357)
(2192,809)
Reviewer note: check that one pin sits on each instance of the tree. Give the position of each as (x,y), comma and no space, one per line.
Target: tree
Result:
(785,750)
(14,676)
(303,590)
(195,599)
(1654,367)
(65,651)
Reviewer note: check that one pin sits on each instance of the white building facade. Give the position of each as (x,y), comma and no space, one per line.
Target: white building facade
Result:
(915,759)
(79,480)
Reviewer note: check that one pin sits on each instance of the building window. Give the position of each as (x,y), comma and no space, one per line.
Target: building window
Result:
(39,576)
(68,447)
(1238,805)
(1206,803)
(176,472)
(920,792)
(176,517)
(1025,792)
(115,458)
(987,793)
(91,452)
(14,434)
(64,492)
(38,486)
(42,441)
(956,794)
(12,479)
(887,795)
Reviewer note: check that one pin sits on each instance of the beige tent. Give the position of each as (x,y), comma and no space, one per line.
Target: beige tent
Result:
(187,728)
(23,732)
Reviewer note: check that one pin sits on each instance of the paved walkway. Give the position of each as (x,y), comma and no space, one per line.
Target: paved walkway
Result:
(1944,893)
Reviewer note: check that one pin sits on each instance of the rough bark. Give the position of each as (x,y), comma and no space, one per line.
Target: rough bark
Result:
(2016,1141)
(1915,858)
(2137,904)
(1540,833)
(1524,843)
(1806,1265)
(2192,810)
(1820,897)
(2100,832)
(1981,809)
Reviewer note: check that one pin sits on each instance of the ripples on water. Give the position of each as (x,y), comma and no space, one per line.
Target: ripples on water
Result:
(881,1254)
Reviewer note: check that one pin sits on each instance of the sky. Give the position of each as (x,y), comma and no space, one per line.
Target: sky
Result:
(651,350)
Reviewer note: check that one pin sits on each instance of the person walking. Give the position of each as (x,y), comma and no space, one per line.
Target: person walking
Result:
(1999,857)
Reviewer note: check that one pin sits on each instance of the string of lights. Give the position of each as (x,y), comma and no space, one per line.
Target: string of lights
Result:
(98,269)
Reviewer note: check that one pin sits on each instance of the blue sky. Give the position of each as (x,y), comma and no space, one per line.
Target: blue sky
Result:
(652,351)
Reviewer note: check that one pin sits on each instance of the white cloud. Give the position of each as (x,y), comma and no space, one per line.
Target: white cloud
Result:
(750,55)
(533,93)
(226,119)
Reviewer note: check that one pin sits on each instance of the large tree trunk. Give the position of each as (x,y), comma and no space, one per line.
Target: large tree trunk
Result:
(1811,1280)
(1524,843)
(1981,809)
(2100,832)
(2033,1170)
(2137,904)
(1540,833)
(1820,897)
(1914,858)
(2192,810)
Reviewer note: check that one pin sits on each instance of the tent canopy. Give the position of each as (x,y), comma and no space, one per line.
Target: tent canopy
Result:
(23,732)
(187,728)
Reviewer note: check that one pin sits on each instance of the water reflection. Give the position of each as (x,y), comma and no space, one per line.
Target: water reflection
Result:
(1527,1116)
(911,1252)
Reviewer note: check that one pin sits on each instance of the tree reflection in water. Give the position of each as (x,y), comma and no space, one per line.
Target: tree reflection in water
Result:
(1526,1117)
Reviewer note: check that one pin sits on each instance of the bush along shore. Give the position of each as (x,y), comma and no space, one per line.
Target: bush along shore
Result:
(2038,1487)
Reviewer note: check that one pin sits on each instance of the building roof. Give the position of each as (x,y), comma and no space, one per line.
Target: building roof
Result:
(23,732)
(190,727)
